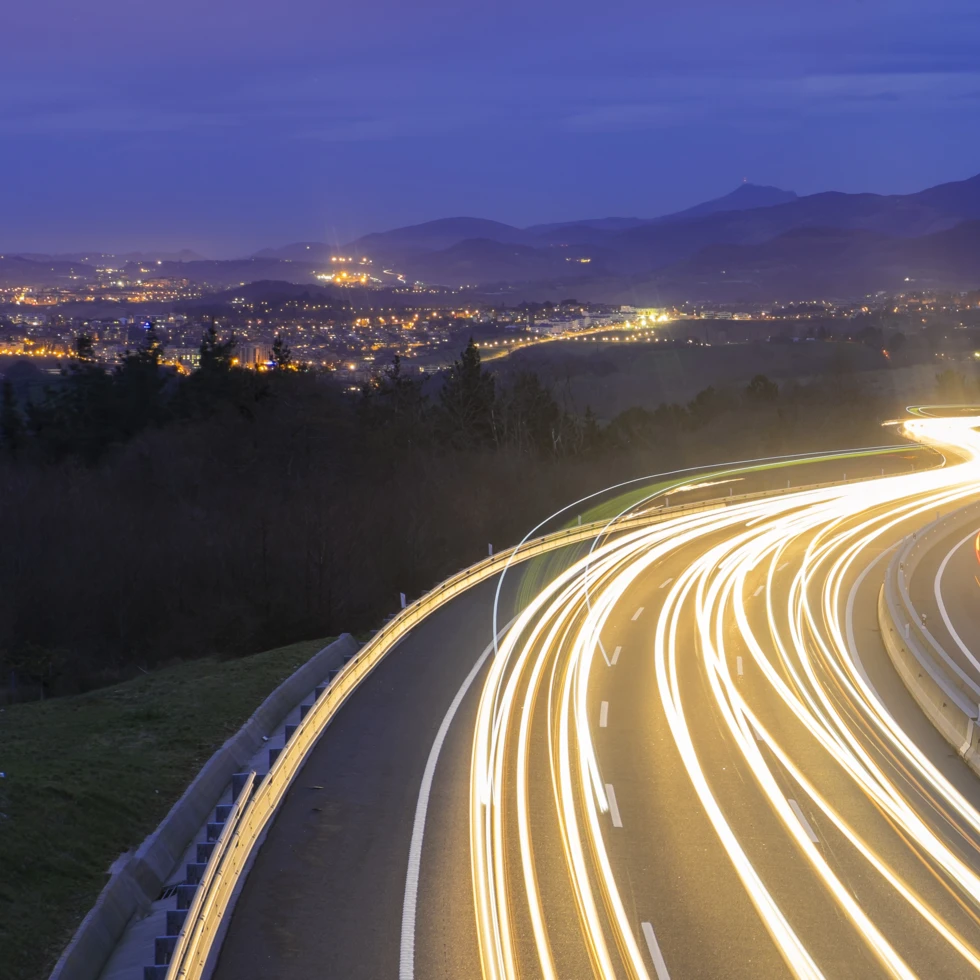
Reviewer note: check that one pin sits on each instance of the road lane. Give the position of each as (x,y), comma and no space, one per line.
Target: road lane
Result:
(694,842)
(324,898)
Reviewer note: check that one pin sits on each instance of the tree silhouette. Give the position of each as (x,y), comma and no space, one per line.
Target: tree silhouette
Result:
(11,422)
(467,402)
(280,354)
(761,389)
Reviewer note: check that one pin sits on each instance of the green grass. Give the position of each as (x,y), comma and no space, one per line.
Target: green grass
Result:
(88,777)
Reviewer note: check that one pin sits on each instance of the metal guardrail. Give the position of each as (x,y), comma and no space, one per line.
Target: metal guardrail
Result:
(200,926)
(253,816)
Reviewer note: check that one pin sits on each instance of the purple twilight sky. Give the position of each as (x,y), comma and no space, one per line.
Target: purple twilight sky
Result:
(228,125)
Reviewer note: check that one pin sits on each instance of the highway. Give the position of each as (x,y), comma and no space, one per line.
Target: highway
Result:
(684,755)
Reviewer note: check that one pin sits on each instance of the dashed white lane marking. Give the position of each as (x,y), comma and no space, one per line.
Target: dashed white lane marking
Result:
(658,958)
(603,714)
(785,564)
(615,656)
(795,807)
(613,806)
(758,592)
(738,666)
(665,584)
(636,615)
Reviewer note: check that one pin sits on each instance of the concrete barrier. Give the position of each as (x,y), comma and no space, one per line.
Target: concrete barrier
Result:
(137,884)
(943,690)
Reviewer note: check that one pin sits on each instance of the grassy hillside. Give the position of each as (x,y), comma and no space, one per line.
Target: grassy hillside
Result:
(87,778)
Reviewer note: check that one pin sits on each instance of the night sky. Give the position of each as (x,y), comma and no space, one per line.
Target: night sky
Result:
(229,125)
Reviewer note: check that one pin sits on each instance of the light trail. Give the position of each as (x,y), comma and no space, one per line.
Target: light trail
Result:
(896,814)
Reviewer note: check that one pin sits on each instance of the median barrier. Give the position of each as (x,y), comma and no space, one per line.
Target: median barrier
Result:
(137,884)
(943,690)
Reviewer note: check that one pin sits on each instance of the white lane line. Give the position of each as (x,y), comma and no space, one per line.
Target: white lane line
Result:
(738,666)
(849,620)
(937,588)
(795,807)
(615,656)
(613,805)
(758,591)
(603,714)
(406,958)
(658,958)
(785,564)
(636,615)
(665,584)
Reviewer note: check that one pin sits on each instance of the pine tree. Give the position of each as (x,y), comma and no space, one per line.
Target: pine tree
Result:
(281,355)
(216,356)
(467,402)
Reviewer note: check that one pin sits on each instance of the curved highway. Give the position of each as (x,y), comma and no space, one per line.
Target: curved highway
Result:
(686,756)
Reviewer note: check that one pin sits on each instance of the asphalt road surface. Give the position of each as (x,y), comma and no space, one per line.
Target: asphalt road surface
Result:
(689,758)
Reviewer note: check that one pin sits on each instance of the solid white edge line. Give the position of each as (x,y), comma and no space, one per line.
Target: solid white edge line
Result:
(849,623)
(613,806)
(406,958)
(636,615)
(658,958)
(937,589)
(795,807)
(603,714)
(615,656)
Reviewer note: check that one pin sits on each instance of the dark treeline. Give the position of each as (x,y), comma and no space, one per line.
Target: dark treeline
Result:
(151,517)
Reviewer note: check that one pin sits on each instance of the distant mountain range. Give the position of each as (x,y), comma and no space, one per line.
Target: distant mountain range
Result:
(754,242)
(680,248)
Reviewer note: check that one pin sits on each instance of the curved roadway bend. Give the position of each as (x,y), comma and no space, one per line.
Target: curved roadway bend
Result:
(691,759)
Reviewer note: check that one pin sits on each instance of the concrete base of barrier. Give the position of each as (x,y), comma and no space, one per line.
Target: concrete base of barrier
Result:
(136,885)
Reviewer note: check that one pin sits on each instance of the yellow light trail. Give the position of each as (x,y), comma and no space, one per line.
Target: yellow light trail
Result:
(805,657)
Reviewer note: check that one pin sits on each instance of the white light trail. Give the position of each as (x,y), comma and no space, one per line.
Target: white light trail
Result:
(804,670)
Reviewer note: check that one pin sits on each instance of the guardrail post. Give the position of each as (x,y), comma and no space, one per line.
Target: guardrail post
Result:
(185,895)
(163,949)
(195,871)
(175,921)
(238,781)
